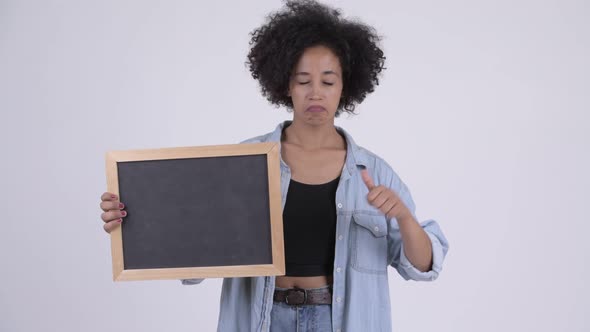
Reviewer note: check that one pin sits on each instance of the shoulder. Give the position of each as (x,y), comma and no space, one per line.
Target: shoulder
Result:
(384,174)
(257,139)
(379,168)
(273,136)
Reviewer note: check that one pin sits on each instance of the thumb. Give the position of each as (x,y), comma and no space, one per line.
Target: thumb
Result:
(367,179)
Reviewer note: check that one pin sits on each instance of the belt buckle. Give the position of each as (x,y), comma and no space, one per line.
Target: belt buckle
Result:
(299,296)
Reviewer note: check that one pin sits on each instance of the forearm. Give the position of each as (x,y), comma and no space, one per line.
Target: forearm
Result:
(417,245)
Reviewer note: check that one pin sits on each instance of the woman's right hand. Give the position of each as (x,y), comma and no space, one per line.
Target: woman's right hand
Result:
(113,211)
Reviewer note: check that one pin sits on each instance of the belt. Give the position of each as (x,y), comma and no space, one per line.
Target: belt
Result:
(300,296)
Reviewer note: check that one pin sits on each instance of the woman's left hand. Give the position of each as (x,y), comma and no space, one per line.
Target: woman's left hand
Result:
(384,199)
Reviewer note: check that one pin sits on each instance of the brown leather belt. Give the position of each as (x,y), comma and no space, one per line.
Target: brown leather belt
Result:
(300,296)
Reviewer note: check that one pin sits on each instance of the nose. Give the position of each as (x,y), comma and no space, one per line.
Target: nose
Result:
(316,91)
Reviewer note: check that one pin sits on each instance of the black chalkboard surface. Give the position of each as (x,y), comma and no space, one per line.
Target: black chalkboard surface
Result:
(197,212)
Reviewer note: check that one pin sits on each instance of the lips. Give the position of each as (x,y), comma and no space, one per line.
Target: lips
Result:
(315,109)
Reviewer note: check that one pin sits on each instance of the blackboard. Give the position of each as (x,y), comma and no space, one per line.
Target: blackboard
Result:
(197,212)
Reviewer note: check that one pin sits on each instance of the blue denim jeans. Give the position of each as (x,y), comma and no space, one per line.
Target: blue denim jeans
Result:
(301,318)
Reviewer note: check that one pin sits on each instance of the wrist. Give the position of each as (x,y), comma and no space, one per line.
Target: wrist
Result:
(406,219)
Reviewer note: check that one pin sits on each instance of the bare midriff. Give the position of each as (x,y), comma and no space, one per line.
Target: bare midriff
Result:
(303,282)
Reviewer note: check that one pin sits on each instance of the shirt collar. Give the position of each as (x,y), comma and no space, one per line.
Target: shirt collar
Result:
(355,156)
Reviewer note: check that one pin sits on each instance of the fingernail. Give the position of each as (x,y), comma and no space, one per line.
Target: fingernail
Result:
(119,220)
(121,205)
(123,213)
(113,196)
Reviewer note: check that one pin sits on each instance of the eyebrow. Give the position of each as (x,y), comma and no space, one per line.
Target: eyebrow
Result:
(327,72)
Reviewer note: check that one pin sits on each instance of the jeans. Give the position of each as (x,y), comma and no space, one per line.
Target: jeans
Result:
(300,318)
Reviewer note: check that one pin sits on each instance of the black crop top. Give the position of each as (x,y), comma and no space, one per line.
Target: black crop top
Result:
(309,222)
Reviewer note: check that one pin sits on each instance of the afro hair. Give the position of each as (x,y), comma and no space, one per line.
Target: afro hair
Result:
(277,45)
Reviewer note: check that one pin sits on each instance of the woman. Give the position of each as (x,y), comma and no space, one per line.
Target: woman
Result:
(346,213)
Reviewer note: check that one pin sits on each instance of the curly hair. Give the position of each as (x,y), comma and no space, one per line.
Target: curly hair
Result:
(277,45)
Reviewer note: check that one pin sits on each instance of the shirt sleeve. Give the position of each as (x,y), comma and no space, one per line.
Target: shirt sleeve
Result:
(397,257)
(440,246)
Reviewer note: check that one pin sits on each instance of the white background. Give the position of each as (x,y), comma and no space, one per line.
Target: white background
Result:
(483,111)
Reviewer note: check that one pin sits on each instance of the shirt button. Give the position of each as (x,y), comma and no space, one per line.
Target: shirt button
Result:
(340,205)
(338,270)
(339,299)
(339,237)
(376,229)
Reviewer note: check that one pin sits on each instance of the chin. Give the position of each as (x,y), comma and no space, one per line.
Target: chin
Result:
(317,119)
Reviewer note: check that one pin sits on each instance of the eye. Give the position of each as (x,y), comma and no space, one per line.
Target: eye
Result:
(303,83)
(328,83)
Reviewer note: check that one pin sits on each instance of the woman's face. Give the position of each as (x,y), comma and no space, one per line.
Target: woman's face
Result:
(315,86)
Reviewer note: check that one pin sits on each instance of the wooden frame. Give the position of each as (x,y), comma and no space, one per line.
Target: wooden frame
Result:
(271,150)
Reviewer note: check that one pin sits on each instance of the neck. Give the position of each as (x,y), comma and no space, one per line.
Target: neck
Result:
(313,137)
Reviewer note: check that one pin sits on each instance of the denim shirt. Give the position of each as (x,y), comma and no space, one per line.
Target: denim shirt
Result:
(366,244)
